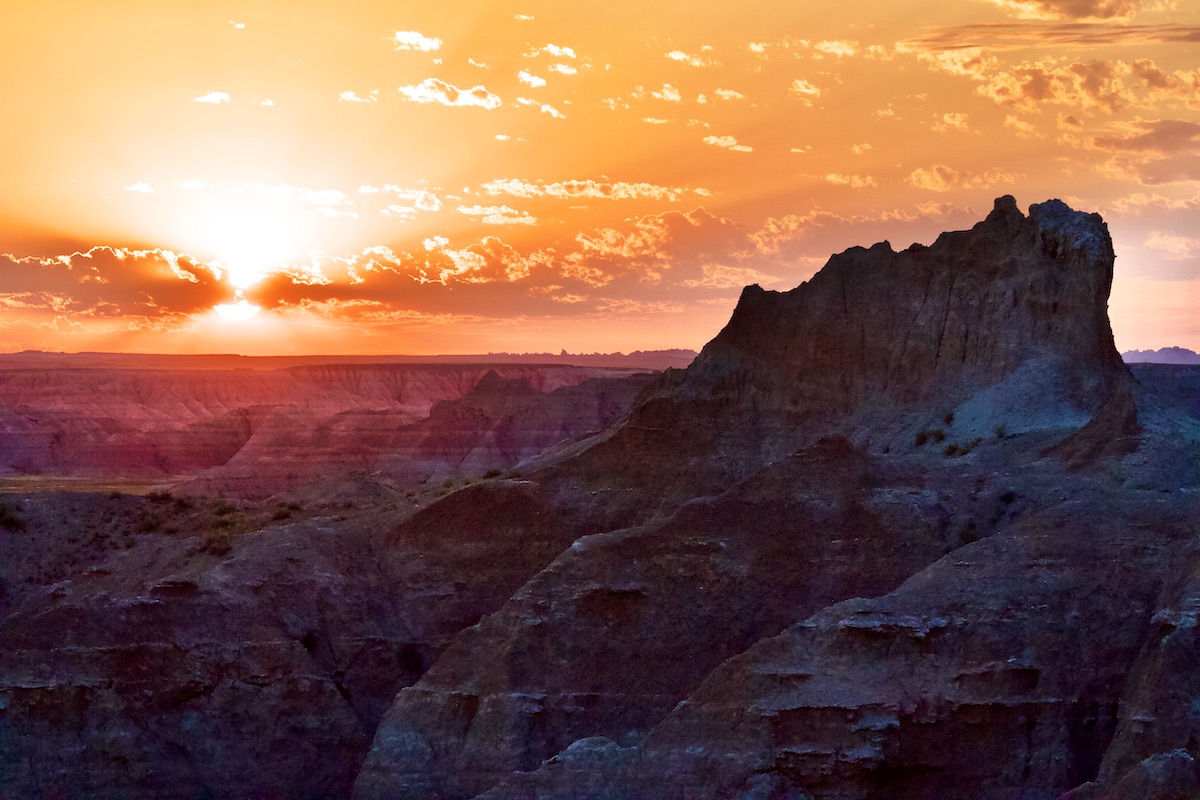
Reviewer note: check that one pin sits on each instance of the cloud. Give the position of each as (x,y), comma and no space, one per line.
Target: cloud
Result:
(1154,151)
(523,18)
(530,79)
(1162,137)
(111,283)
(839,48)
(555,50)
(691,60)
(1175,247)
(668,93)
(1024,129)
(350,97)
(545,108)
(432,90)
(575,189)
(498,215)
(141,187)
(1076,9)
(728,142)
(729,94)
(952,121)
(421,199)
(860,149)
(941,178)
(853,181)
(213,98)
(805,91)
(1020,35)
(412,40)
(563,69)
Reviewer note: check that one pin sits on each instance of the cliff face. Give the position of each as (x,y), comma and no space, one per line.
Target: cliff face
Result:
(880,344)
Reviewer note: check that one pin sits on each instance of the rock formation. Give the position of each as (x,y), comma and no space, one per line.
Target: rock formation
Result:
(970,383)
(909,531)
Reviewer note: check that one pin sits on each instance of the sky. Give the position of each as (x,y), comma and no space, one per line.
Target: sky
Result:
(399,177)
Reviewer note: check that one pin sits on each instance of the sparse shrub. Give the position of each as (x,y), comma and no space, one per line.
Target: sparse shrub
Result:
(969,533)
(183,503)
(218,543)
(513,475)
(1001,432)
(1008,497)
(159,497)
(949,418)
(922,438)
(937,434)
(9,519)
(493,473)
(950,451)
(148,523)
(448,483)
(281,514)
(222,507)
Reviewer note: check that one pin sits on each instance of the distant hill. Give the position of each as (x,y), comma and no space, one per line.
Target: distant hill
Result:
(1165,355)
(36,359)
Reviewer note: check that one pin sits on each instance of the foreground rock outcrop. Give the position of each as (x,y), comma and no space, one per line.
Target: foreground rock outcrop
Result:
(972,385)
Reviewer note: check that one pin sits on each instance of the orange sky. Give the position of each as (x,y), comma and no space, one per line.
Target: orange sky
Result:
(399,177)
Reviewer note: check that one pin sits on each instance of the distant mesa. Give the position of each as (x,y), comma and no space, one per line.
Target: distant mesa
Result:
(1164,355)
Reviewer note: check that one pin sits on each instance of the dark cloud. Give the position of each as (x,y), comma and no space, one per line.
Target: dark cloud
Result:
(1001,35)
(111,282)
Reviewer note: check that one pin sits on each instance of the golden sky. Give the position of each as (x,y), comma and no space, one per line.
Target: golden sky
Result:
(402,177)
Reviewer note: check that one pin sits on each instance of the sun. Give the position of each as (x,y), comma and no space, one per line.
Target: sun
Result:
(250,241)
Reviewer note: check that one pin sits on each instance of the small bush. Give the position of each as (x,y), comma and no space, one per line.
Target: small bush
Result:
(922,438)
(448,483)
(949,418)
(281,514)
(969,533)
(950,451)
(160,497)
(1001,432)
(9,519)
(218,543)
(493,473)
(938,434)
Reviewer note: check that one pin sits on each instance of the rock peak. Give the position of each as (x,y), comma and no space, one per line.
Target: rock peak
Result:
(1004,208)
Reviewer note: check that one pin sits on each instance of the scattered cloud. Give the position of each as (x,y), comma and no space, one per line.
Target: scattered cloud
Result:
(729,94)
(350,97)
(432,90)
(141,187)
(1020,35)
(1024,129)
(498,215)
(668,93)
(412,40)
(545,108)
(1175,247)
(859,149)
(839,48)
(421,199)
(1076,9)
(1154,151)
(941,178)
(805,91)
(853,181)
(530,79)
(575,189)
(729,143)
(691,60)
(214,98)
(952,121)
(563,69)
